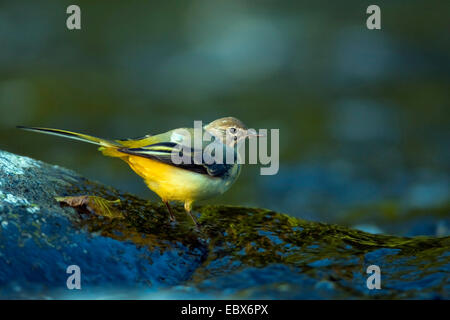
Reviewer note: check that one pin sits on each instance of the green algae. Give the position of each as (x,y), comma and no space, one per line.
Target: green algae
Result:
(256,252)
(237,238)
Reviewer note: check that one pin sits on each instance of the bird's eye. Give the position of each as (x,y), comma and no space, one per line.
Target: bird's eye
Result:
(233,130)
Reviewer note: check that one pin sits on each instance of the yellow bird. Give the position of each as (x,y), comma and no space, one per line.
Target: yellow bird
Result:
(151,158)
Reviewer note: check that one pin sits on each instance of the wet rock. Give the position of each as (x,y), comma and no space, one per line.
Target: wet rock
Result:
(256,253)
(238,252)
(39,239)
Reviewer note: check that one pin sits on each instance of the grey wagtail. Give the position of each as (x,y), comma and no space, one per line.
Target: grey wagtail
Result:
(151,158)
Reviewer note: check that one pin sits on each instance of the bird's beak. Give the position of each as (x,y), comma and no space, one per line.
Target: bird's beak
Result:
(253,133)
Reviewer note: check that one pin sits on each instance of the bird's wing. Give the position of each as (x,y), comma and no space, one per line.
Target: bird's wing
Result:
(162,151)
(147,140)
(139,142)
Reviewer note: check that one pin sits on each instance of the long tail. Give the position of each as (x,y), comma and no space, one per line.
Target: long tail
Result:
(74,135)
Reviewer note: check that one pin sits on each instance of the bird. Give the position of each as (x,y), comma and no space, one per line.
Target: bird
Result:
(151,158)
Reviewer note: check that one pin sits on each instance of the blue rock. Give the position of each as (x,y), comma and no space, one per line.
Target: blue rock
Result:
(237,253)
(39,239)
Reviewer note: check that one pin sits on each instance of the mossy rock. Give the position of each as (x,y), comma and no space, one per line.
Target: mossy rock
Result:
(237,252)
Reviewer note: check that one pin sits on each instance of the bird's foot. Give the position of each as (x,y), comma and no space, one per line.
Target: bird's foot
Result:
(194,219)
(169,208)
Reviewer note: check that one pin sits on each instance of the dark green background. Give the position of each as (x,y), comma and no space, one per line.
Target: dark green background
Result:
(364,111)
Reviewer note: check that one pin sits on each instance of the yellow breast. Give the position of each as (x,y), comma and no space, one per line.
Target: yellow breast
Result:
(173,183)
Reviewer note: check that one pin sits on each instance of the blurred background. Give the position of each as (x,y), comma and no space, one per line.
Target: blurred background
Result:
(363,114)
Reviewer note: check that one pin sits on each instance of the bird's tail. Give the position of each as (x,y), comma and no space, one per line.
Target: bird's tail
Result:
(103,143)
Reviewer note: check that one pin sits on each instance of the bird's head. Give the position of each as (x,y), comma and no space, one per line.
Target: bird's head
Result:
(229,130)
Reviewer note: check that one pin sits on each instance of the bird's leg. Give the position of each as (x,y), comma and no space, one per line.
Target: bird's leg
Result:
(172,216)
(188,208)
